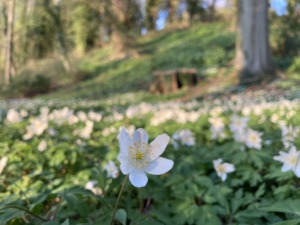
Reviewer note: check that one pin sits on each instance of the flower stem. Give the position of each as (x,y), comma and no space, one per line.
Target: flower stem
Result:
(23,209)
(118,199)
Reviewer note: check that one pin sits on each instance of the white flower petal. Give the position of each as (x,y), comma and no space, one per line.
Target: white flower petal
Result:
(138,178)
(126,167)
(137,139)
(223,176)
(217,162)
(297,170)
(286,167)
(229,167)
(3,162)
(144,135)
(159,145)
(124,140)
(159,166)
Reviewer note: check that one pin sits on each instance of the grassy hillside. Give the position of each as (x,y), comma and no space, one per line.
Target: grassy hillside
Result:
(205,47)
(104,72)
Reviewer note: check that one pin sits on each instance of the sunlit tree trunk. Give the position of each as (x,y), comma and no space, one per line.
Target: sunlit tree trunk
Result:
(9,41)
(253,57)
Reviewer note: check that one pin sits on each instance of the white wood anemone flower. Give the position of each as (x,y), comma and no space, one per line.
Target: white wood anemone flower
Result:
(137,157)
(223,168)
(290,160)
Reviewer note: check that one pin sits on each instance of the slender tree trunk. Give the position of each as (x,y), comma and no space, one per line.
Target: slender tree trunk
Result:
(3,45)
(253,57)
(9,41)
(212,10)
(60,36)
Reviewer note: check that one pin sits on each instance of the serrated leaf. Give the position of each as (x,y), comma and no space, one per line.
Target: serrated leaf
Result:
(287,206)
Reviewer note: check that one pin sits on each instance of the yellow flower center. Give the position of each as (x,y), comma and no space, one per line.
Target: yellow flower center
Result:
(220,168)
(292,160)
(253,138)
(139,154)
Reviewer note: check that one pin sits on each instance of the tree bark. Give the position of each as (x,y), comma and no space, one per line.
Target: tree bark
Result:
(9,41)
(253,57)
(55,14)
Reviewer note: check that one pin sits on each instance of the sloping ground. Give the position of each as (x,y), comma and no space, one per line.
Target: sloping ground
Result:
(206,47)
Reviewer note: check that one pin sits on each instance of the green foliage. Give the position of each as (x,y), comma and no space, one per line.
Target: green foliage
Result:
(51,183)
(28,85)
(284,31)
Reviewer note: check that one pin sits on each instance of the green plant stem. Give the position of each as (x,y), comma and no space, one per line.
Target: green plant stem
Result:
(23,209)
(118,199)
(22,192)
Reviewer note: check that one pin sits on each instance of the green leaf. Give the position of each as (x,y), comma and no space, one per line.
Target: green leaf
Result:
(10,214)
(288,222)
(150,222)
(121,216)
(51,223)
(287,206)
(39,199)
(260,191)
(66,222)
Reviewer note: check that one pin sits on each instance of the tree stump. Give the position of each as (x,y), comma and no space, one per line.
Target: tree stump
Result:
(168,81)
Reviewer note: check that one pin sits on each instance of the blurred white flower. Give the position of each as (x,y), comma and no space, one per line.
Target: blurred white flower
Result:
(130,130)
(289,134)
(111,169)
(217,122)
(3,162)
(91,186)
(42,146)
(217,133)
(44,110)
(216,111)
(51,131)
(185,137)
(246,111)
(223,168)
(36,127)
(238,123)
(108,130)
(253,139)
(137,157)
(87,130)
(174,143)
(290,160)
(82,116)
(61,116)
(23,113)
(72,119)
(94,116)
(13,116)
(274,118)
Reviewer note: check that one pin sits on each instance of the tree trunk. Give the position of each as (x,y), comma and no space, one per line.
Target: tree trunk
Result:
(9,41)
(253,57)
(211,11)
(60,36)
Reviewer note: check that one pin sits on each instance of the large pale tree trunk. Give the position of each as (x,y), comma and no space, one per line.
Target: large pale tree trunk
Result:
(253,57)
(9,41)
